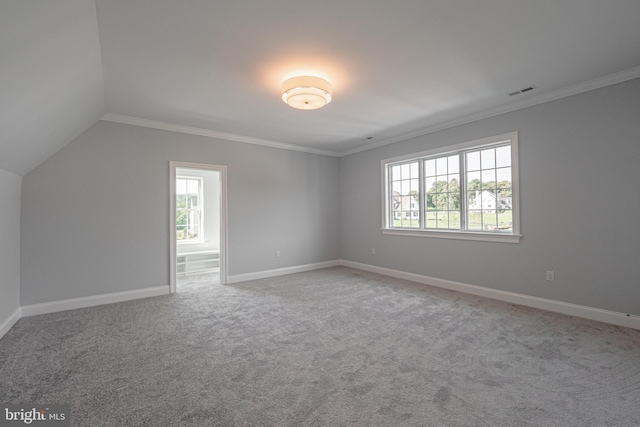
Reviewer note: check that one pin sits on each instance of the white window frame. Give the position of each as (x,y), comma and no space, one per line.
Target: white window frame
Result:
(200,238)
(482,235)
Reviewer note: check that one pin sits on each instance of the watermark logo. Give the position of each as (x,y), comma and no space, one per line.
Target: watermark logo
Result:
(35,415)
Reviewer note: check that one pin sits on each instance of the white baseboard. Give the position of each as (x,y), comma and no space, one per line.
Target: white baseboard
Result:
(606,316)
(9,322)
(237,278)
(72,304)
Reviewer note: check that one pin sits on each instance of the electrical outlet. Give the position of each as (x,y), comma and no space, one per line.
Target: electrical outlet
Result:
(373,251)
(277,254)
(551,276)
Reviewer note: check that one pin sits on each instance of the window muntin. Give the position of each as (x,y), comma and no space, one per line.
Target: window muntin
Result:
(405,194)
(442,192)
(489,189)
(465,190)
(189,217)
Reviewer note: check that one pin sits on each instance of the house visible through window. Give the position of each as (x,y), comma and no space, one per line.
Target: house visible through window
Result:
(189,213)
(464,191)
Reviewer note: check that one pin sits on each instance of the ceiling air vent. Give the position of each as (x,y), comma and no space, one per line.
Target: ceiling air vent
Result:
(523,90)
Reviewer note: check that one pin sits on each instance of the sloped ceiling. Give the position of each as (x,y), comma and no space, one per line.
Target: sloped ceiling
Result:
(398,68)
(51,81)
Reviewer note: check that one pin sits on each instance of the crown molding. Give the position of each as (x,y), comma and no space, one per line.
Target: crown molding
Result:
(576,89)
(154,124)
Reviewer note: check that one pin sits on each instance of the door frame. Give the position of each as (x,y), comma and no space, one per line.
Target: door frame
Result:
(173,249)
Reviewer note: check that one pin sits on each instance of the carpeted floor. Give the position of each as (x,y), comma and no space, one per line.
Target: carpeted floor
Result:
(201,281)
(334,347)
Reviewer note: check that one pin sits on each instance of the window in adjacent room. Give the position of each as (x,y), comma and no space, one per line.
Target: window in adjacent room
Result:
(189,215)
(466,191)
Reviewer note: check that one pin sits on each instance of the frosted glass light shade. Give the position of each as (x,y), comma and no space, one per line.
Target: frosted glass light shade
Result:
(306,92)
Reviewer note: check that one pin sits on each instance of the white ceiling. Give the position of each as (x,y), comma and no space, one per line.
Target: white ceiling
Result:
(398,67)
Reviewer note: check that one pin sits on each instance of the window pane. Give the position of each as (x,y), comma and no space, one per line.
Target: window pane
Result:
(473,161)
(431,202)
(431,220)
(454,220)
(454,164)
(181,186)
(193,232)
(181,201)
(473,181)
(489,158)
(489,202)
(443,220)
(192,186)
(429,184)
(182,215)
(395,173)
(474,220)
(503,156)
(454,184)
(406,187)
(181,232)
(441,165)
(430,167)
(441,201)
(489,221)
(474,201)
(505,220)
(415,187)
(396,188)
(454,201)
(405,171)
(414,170)
(505,198)
(489,179)
(503,174)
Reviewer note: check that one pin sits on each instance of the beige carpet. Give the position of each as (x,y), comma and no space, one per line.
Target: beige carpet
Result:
(335,347)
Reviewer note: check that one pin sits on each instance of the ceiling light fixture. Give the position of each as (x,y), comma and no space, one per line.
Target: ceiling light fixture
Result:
(306,92)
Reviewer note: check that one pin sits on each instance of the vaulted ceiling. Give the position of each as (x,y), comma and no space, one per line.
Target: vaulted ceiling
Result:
(398,68)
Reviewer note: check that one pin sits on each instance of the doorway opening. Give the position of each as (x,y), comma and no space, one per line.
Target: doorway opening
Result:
(197,226)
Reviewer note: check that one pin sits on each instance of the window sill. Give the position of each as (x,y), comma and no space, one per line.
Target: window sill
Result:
(456,235)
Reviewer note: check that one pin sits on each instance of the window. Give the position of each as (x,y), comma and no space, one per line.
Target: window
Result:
(466,191)
(189,209)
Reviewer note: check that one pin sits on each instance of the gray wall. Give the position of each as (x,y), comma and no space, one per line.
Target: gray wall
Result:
(579,173)
(9,244)
(95,215)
